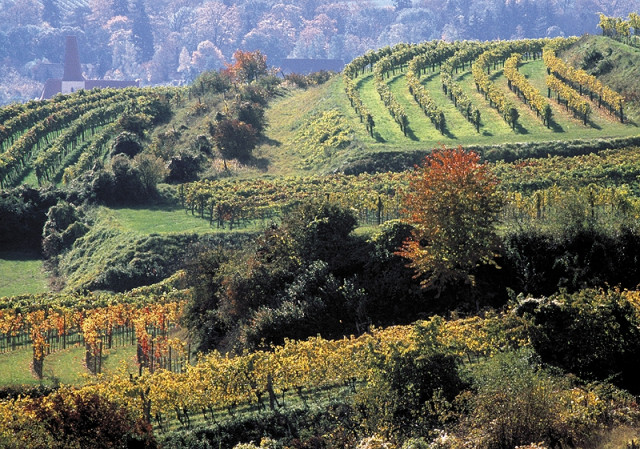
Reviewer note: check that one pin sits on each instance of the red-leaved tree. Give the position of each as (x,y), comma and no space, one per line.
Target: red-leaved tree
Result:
(453,202)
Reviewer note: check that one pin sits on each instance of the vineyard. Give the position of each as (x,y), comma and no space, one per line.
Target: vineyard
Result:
(40,140)
(451,84)
(229,281)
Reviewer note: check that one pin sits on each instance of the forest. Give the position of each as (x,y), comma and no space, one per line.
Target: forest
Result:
(436,248)
(163,42)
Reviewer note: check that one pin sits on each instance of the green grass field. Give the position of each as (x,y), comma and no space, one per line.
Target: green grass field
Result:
(21,273)
(65,366)
(159,219)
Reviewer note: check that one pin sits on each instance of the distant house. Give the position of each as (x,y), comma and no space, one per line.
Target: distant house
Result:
(308,66)
(72,79)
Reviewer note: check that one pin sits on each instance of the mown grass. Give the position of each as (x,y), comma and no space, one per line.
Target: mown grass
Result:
(65,366)
(293,111)
(15,368)
(159,219)
(21,273)
(625,72)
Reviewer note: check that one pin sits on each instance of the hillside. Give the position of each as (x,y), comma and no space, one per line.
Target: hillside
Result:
(255,259)
(326,109)
(169,43)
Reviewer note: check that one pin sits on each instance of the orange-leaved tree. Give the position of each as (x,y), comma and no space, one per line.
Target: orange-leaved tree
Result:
(249,66)
(453,202)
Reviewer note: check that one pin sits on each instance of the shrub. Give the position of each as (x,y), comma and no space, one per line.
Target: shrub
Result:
(593,334)
(126,143)
(517,401)
(411,392)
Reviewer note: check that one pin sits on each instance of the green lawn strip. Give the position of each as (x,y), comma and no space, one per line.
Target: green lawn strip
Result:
(122,357)
(459,130)
(172,220)
(420,127)
(493,128)
(15,368)
(160,219)
(66,366)
(386,129)
(21,273)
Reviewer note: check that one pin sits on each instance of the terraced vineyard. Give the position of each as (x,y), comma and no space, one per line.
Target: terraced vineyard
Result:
(457,93)
(39,140)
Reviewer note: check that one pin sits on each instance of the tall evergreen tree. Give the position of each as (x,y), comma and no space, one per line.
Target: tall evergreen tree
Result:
(142,36)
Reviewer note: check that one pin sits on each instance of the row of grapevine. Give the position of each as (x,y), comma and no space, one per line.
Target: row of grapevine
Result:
(401,55)
(91,153)
(356,103)
(519,84)
(583,82)
(48,161)
(20,119)
(495,57)
(596,202)
(491,92)
(461,101)
(395,108)
(14,161)
(609,167)
(353,70)
(426,103)
(221,382)
(50,322)
(420,94)
(569,97)
(386,60)
(236,203)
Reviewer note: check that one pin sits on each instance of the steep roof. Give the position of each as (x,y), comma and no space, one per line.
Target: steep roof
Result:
(72,69)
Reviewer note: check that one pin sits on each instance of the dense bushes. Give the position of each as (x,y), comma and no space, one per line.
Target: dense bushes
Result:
(541,263)
(517,401)
(295,270)
(24,213)
(67,419)
(591,334)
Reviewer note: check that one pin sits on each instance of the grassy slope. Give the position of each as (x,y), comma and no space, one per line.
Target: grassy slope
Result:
(21,273)
(289,113)
(625,60)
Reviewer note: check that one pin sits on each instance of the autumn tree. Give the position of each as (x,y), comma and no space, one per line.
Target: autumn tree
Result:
(248,66)
(453,202)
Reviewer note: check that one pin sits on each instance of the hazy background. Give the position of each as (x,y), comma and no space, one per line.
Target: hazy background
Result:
(163,41)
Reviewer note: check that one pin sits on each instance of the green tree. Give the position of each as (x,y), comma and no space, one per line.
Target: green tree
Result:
(453,202)
(152,170)
(234,139)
